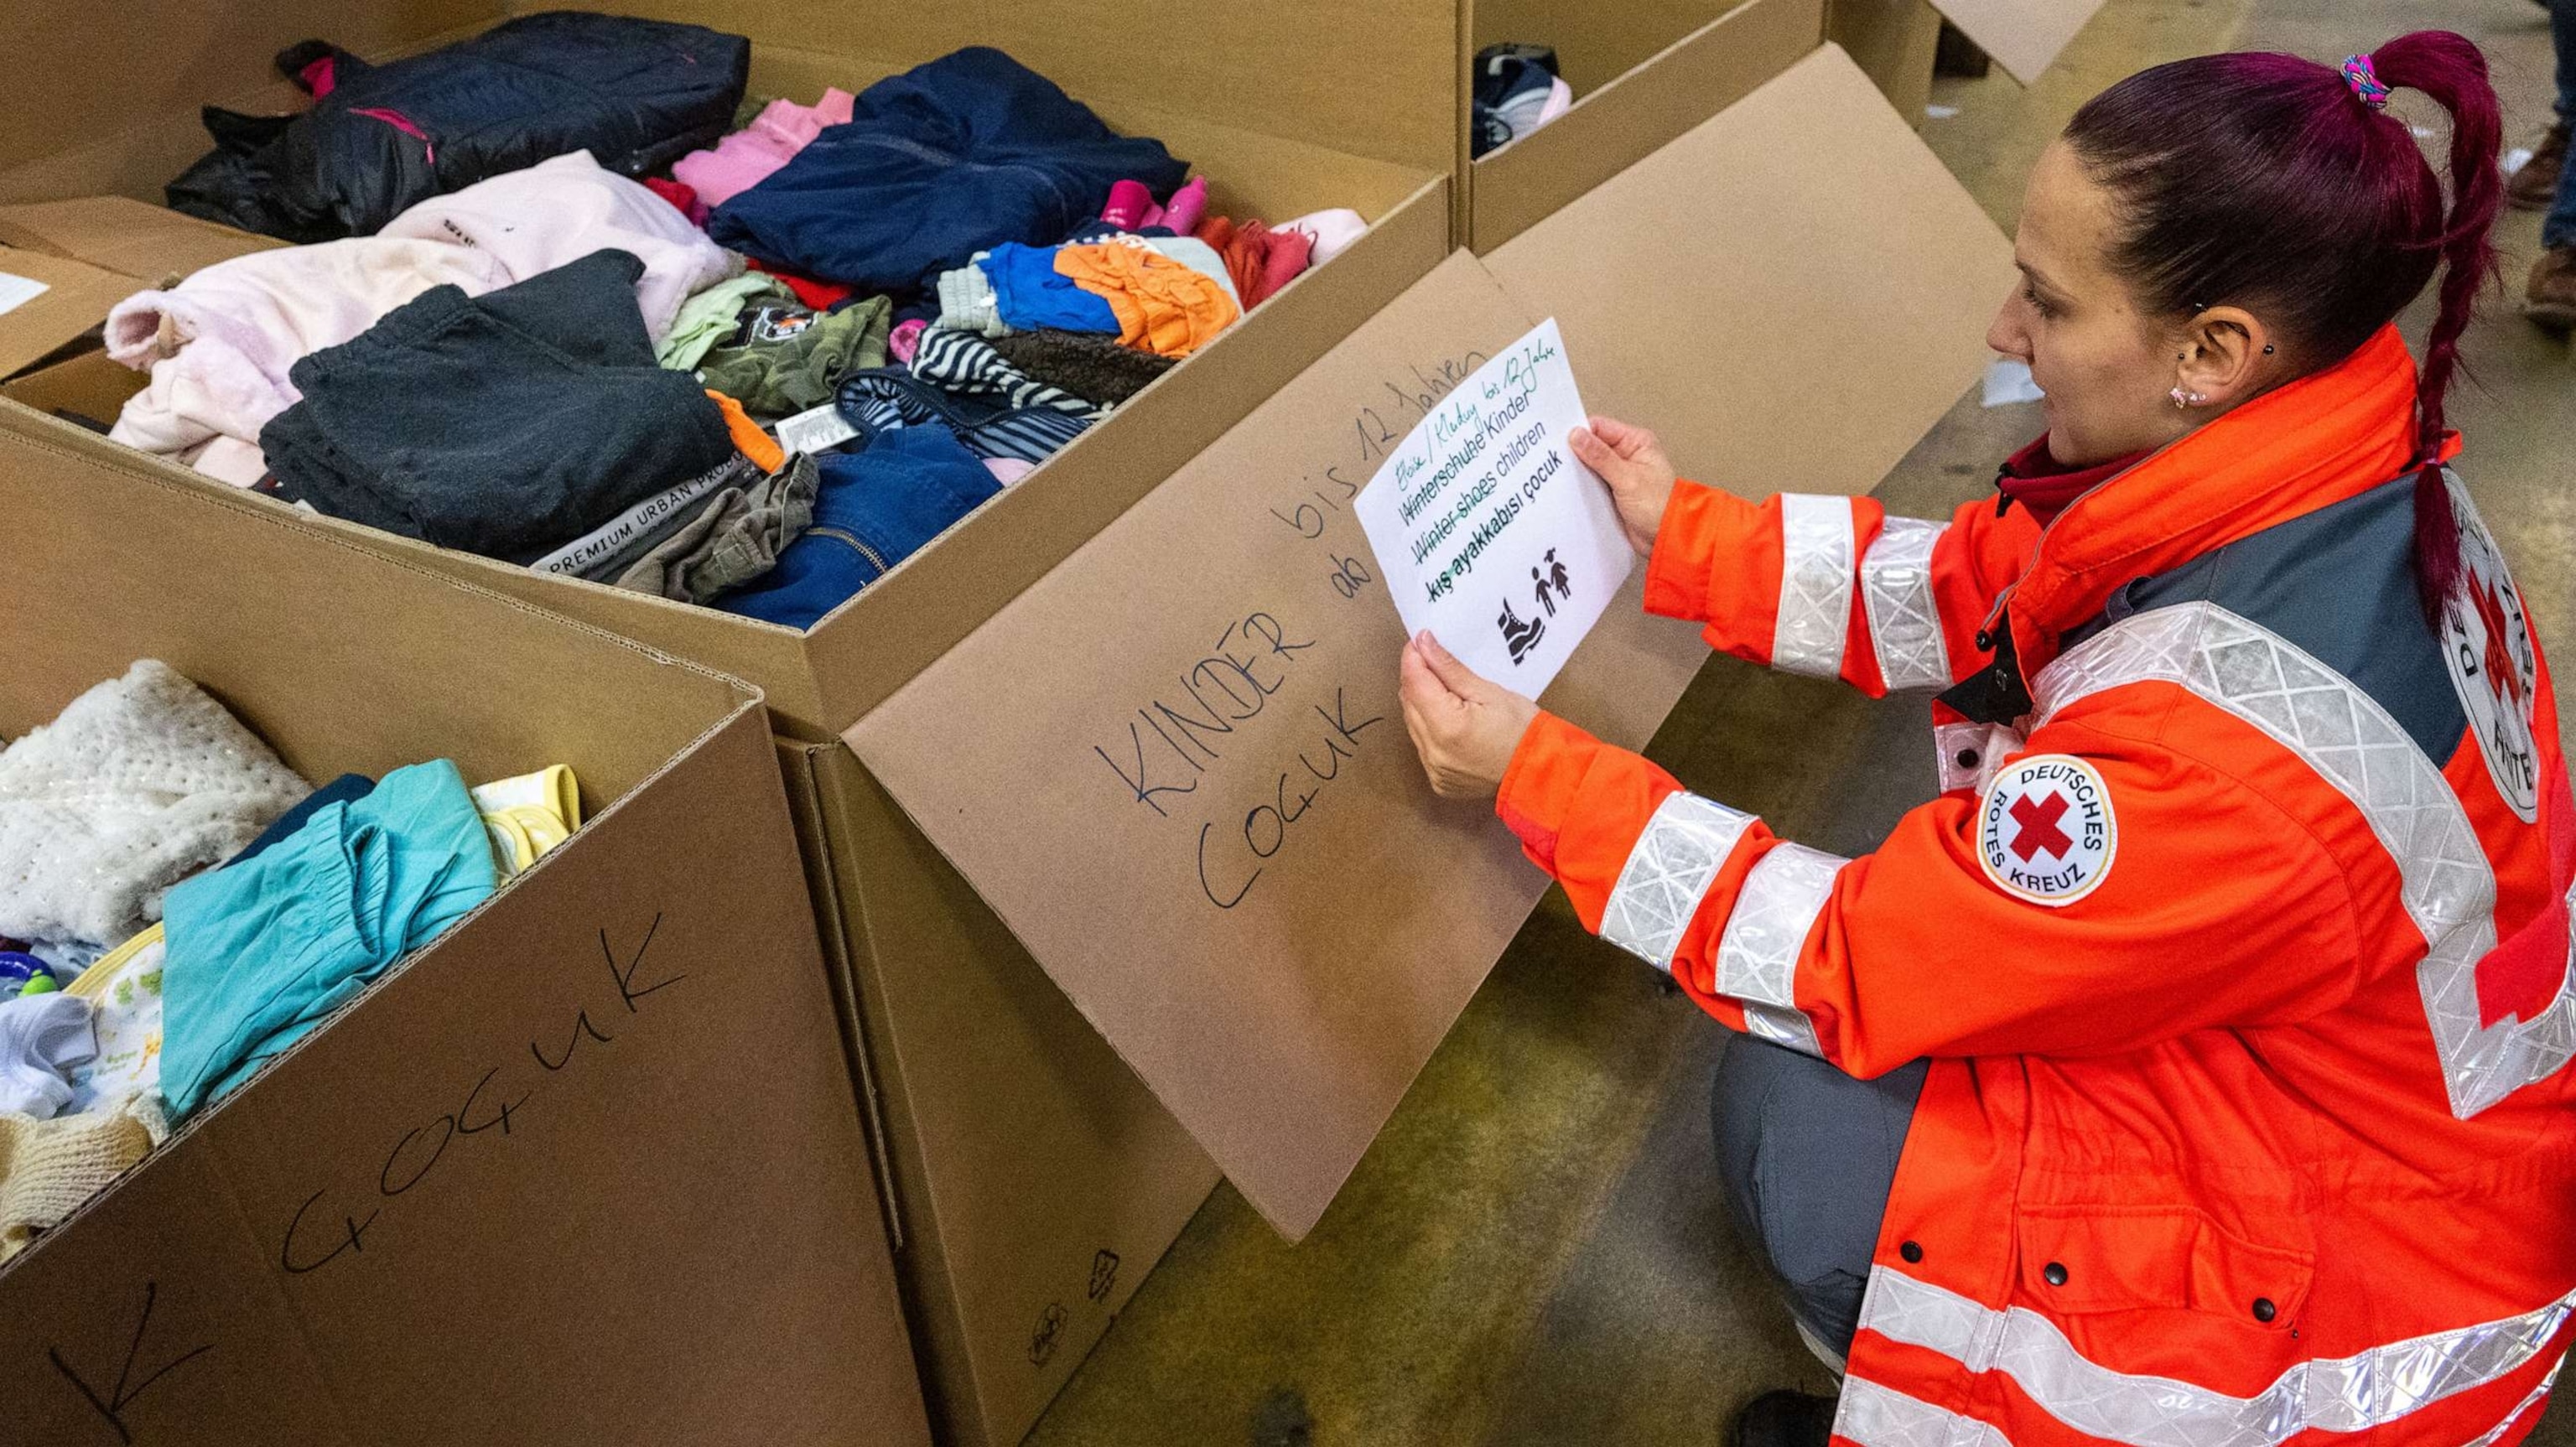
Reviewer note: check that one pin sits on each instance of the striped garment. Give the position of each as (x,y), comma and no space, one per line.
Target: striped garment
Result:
(959,381)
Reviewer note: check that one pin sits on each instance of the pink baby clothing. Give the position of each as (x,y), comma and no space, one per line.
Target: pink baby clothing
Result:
(747,157)
(1187,205)
(562,210)
(1331,232)
(219,344)
(906,339)
(1128,202)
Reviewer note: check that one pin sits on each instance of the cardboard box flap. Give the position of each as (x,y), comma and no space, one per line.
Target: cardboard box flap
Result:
(1240,889)
(132,238)
(46,301)
(1620,124)
(1252,892)
(1790,294)
(2025,36)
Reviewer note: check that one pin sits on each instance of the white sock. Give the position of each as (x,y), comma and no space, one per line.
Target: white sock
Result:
(43,1039)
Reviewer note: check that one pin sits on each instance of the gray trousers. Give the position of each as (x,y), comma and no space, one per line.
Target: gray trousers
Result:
(1808,1155)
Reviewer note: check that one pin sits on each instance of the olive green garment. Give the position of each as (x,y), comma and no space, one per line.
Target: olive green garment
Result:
(779,376)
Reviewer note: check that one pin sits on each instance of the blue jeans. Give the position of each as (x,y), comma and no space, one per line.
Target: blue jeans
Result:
(2560,228)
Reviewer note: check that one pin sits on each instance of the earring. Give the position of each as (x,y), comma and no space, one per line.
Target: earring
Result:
(2267,351)
(2181,399)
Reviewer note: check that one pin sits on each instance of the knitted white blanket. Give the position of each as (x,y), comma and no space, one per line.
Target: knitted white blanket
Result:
(143,781)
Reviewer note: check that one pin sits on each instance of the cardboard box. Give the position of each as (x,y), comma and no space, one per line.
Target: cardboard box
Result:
(1034,1177)
(1033,1180)
(1644,71)
(1277,943)
(587,1169)
(1893,41)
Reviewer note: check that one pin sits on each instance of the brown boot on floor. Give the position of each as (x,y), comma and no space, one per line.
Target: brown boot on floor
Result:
(2552,298)
(1783,1419)
(2535,186)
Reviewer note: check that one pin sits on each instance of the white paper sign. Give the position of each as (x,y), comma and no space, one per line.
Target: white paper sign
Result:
(1488,532)
(17,291)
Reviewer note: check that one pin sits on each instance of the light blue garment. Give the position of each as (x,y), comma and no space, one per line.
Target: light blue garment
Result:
(259,952)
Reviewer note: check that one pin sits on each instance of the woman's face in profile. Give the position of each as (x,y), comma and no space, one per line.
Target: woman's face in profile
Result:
(2108,369)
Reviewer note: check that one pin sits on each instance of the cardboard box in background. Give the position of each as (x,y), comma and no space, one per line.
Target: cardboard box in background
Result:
(1277,924)
(93,252)
(1644,71)
(1033,1180)
(1893,42)
(587,1169)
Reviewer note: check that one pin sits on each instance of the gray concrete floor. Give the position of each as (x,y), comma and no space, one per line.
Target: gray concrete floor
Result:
(1534,1252)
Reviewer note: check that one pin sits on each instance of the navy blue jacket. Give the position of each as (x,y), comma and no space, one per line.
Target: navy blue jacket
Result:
(947,159)
(636,94)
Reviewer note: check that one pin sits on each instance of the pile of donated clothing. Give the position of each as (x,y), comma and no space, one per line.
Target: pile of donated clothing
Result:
(564,296)
(177,907)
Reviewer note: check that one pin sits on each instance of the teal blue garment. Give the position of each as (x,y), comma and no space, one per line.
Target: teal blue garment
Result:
(259,952)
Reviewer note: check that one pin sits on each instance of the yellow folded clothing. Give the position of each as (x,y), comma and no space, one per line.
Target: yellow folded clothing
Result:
(529,815)
(49,1168)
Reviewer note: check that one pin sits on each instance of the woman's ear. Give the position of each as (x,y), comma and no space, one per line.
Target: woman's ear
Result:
(2224,356)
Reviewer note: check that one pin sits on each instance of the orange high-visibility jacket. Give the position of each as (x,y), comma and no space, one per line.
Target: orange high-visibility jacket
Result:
(2238,938)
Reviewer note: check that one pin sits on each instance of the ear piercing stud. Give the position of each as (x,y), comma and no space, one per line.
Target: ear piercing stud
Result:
(2187,399)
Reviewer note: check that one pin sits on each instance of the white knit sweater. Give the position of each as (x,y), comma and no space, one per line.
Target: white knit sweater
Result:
(143,781)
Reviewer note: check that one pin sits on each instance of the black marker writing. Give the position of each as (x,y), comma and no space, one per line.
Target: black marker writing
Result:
(313,1240)
(111,1407)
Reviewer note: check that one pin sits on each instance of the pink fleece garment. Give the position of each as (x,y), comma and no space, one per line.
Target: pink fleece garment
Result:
(747,157)
(219,344)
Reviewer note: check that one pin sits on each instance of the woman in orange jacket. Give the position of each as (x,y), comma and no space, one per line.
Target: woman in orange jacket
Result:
(2193,1072)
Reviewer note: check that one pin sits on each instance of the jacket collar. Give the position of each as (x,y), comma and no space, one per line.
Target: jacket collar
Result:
(2310,444)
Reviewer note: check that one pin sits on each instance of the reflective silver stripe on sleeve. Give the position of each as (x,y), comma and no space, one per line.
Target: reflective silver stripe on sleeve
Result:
(1757,956)
(2448,887)
(1668,873)
(1876,1416)
(1904,618)
(1816,545)
(2341,1394)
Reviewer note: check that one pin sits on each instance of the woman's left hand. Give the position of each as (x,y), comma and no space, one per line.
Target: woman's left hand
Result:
(1465,728)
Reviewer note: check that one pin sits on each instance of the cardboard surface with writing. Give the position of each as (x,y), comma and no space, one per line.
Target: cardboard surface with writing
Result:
(587,1169)
(1213,832)
(47,300)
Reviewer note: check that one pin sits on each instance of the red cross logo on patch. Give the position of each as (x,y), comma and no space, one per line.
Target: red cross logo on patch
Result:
(2045,830)
(2039,831)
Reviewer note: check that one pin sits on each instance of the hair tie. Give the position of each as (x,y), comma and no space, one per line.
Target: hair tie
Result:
(2366,85)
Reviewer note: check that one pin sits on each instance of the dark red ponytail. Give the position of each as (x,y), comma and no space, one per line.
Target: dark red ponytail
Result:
(2266,181)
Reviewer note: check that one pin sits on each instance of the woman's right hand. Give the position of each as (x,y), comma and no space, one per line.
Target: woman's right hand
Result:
(1641,478)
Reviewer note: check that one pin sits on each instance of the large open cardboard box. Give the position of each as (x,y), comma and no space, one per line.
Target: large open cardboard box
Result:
(672,1234)
(1272,917)
(1032,1180)
(1645,71)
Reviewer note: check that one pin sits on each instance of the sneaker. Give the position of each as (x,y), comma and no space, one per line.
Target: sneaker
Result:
(2551,300)
(2535,186)
(1783,1419)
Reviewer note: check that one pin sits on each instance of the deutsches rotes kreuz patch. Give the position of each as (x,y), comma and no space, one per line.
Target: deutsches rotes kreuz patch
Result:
(2046,833)
(2486,640)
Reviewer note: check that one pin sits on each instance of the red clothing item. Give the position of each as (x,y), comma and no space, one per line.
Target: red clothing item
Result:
(2035,478)
(680,195)
(2251,1117)
(819,295)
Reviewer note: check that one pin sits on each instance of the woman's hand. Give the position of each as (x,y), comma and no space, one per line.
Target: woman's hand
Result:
(1640,476)
(1465,728)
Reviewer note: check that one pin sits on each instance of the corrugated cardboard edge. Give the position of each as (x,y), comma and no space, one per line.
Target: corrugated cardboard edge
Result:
(1630,119)
(805,807)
